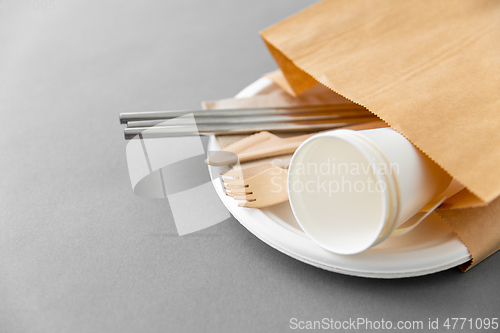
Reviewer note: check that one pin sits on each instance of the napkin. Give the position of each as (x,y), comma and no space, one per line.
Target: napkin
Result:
(431,70)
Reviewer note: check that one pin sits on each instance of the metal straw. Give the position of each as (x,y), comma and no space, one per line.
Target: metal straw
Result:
(156,115)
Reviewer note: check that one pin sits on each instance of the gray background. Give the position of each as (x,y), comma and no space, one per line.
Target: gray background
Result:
(80,253)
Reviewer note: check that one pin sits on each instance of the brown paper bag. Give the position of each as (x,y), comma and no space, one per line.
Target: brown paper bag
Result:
(431,70)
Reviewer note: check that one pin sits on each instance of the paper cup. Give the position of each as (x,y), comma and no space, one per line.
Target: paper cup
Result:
(349,190)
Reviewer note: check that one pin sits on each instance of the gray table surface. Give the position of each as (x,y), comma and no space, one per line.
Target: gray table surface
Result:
(80,253)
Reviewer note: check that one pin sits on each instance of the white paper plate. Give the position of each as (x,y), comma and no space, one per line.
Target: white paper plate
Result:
(430,248)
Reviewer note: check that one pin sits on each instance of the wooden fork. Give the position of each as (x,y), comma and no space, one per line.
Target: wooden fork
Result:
(260,186)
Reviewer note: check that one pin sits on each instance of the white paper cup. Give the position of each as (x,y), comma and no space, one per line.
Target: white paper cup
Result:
(349,190)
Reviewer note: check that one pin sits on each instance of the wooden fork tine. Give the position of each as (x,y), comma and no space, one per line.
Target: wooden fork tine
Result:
(241,196)
(238,188)
(234,181)
(241,189)
(248,197)
(231,194)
